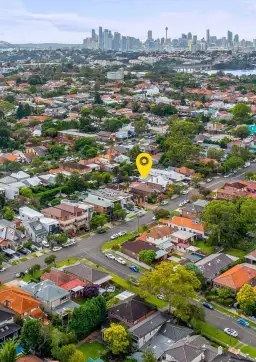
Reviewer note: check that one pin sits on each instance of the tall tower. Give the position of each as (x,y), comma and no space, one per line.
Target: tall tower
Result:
(100,38)
(208,36)
(166,32)
(150,35)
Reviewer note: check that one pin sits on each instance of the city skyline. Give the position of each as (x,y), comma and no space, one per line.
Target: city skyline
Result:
(23,21)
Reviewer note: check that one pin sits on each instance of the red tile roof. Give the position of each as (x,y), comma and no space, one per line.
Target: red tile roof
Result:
(73,284)
(236,277)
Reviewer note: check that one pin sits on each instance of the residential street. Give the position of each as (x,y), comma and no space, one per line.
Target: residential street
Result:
(90,249)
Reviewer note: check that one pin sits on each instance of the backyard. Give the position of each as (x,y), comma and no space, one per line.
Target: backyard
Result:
(205,248)
(94,350)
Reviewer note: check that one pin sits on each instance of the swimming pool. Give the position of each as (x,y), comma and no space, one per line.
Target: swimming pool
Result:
(252,128)
(19,350)
(199,256)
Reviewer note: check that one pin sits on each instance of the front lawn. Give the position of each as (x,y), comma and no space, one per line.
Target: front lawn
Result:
(29,277)
(209,249)
(94,350)
(236,252)
(66,262)
(118,241)
(215,334)
(251,351)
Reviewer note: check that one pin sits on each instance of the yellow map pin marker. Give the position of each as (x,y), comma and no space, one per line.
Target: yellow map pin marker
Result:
(144,164)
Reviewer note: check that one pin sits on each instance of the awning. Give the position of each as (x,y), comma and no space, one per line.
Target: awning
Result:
(76,289)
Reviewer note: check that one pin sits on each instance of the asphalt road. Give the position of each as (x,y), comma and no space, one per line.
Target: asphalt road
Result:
(221,321)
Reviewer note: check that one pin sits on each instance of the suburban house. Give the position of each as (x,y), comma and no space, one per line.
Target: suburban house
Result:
(142,191)
(73,166)
(236,277)
(10,236)
(212,265)
(113,196)
(160,236)
(21,303)
(132,248)
(182,239)
(188,172)
(99,205)
(37,150)
(28,214)
(251,257)
(130,311)
(88,274)
(192,211)
(193,226)
(8,329)
(36,232)
(71,218)
(53,298)
(192,349)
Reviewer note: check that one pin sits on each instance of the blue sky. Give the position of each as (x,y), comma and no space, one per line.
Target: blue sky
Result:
(69,21)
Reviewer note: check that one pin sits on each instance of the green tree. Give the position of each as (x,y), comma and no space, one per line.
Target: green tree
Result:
(50,259)
(134,152)
(175,282)
(34,268)
(140,126)
(26,192)
(248,212)
(8,213)
(97,98)
(119,212)
(223,222)
(233,163)
(215,153)
(241,132)
(66,352)
(1,259)
(162,109)
(30,337)
(8,351)
(5,107)
(246,297)
(73,91)
(148,356)
(147,256)
(161,213)
(241,111)
(98,220)
(196,178)
(78,356)
(60,180)
(118,338)
(112,125)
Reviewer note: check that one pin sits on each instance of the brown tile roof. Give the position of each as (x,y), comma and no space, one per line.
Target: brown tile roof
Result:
(58,277)
(185,171)
(69,208)
(29,359)
(159,232)
(138,245)
(236,277)
(53,211)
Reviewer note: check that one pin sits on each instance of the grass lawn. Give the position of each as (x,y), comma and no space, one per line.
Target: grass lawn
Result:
(67,262)
(236,252)
(94,350)
(118,241)
(209,249)
(85,236)
(37,275)
(23,259)
(216,335)
(249,350)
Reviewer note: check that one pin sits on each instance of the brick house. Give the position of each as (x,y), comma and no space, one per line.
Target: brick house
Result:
(236,277)
(141,191)
(73,166)
(232,190)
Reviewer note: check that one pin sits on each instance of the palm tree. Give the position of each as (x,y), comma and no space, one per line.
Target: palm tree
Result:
(8,351)
(60,180)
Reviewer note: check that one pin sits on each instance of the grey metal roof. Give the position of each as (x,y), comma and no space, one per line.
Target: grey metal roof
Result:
(149,324)
(45,291)
(37,227)
(8,329)
(212,265)
(175,332)
(5,314)
(85,272)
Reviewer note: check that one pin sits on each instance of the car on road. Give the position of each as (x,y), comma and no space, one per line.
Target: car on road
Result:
(121,261)
(2,269)
(208,305)
(141,213)
(110,256)
(114,236)
(110,289)
(209,180)
(101,231)
(56,248)
(164,202)
(23,251)
(133,280)
(185,192)
(227,175)
(243,322)
(153,218)
(134,268)
(20,275)
(70,242)
(122,233)
(231,332)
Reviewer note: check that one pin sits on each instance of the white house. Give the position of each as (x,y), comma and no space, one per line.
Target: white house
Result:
(28,214)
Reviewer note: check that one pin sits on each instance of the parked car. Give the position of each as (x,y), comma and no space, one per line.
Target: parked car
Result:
(27,250)
(164,202)
(23,251)
(122,233)
(133,280)
(134,268)
(243,322)
(110,256)
(208,305)
(114,236)
(2,269)
(231,332)
(56,248)
(160,296)
(227,175)
(20,275)
(101,231)
(153,218)
(111,289)
(121,261)
(185,192)
(209,180)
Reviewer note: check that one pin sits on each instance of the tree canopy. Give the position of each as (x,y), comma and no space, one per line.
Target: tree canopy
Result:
(118,338)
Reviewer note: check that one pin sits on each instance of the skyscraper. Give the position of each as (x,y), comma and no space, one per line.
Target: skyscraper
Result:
(194,39)
(110,40)
(230,38)
(150,35)
(100,38)
(189,36)
(93,35)
(117,41)
(236,39)
(208,36)
(105,39)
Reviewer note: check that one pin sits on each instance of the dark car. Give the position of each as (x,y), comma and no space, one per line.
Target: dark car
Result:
(101,231)
(208,305)
(20,275)
(23,252)
(134,268)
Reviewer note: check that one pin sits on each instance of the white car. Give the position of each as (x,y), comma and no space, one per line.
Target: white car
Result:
(110,289)
(121,261)
(122,233)
(185,192)
(114,236)
(209,180)
(231,332)
(164,202)
(226,175)
(153,218)
(110,256)
(181,204)
(160,296)
(57,248)
(2,269)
